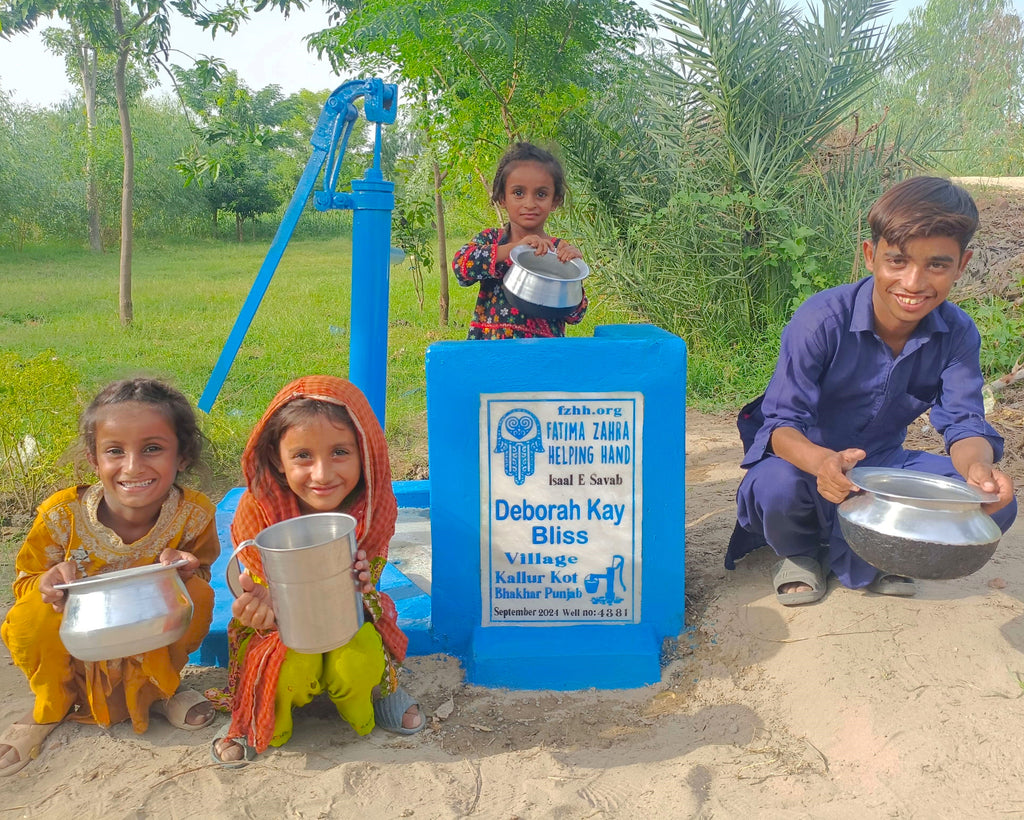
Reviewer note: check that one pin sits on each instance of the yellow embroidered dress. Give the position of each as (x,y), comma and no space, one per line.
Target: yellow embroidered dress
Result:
(106,692)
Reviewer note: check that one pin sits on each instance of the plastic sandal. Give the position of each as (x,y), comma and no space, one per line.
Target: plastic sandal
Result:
(27,740)
(388,712)
(248,756)
(175,709)
(800,569)
(898,585)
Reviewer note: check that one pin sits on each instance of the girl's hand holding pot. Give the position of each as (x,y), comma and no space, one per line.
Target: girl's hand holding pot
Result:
(361,569)
(566,252)
(253,608)
(540,244)
(62,573)
(170,556)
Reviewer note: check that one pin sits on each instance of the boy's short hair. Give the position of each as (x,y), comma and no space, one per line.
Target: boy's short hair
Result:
(920,207)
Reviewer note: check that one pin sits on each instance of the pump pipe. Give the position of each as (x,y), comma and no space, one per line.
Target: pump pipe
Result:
(372,200)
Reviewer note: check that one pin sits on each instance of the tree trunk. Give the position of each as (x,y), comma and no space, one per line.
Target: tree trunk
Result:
(238,227)
(442,241)
(128,174)
(442,245)
(487,189)
(87,63)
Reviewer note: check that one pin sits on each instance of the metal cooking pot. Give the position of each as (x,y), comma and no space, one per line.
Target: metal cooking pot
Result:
(906,522)
(126,612)
(543,286)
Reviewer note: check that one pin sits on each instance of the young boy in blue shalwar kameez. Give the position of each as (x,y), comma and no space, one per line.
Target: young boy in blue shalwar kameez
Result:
(857,364)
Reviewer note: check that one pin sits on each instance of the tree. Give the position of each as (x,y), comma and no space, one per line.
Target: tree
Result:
(92,71)
(963,79)
(245,187)
(727,174)
(36,199)
(138,30)
(128,30)
(82,61)
(241,131)
(483,73)
(18,185)
(760,90)
(163,206)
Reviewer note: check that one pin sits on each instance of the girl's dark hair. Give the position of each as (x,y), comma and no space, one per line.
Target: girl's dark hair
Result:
(528,152)
(168,400)
(299,411)
(920,207)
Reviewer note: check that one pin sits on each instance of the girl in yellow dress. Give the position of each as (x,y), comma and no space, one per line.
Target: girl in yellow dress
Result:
(138,435)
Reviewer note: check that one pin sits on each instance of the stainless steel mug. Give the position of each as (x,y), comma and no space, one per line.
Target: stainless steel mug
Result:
(307,562)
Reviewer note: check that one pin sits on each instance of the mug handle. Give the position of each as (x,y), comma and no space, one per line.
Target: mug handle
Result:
(231,578)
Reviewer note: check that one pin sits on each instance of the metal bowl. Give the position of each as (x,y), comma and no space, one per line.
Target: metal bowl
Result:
(543,286)
(124,613)
(905,522)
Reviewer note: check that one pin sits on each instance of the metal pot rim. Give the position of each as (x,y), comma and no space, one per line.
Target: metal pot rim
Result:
(119,575)
(527,251)
(307,521)
(880,481)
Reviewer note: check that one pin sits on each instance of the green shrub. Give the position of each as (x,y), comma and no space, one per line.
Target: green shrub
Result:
(1001,324)
(39,408)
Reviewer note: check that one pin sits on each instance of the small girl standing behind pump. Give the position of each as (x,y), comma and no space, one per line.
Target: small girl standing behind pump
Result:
(138,435)
(318,448)
(529,185)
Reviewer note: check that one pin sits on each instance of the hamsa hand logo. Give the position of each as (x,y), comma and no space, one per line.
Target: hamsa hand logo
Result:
(519,439)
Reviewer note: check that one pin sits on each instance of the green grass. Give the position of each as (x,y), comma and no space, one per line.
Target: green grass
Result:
(186,299)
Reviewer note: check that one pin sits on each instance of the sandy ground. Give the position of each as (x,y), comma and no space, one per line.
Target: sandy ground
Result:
(858,706)
(991,182)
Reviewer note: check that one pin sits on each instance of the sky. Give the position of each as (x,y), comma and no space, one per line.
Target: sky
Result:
(268,49)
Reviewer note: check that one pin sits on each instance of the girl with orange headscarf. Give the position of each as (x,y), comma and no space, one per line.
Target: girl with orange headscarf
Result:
(318,448)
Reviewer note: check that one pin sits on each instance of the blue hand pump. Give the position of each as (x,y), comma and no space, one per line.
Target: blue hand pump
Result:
(372,200)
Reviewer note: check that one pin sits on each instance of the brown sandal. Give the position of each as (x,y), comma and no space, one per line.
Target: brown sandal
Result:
(176,708)
(27,740)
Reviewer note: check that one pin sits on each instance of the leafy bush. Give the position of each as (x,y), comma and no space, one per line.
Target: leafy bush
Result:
(39,408)
(1001,324)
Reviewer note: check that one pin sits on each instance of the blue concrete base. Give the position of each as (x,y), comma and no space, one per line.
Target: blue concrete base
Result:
(413,606)
(567,658)
(413,603)
(412,493)
(214,649)
(622,363)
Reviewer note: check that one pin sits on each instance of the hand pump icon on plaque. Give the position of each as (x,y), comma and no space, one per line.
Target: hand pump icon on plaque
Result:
(593,582)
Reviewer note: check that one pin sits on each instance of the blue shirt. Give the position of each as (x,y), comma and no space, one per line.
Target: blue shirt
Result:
(841,386)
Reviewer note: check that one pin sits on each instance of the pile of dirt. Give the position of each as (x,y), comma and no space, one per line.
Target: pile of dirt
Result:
(995,270)
(997,267)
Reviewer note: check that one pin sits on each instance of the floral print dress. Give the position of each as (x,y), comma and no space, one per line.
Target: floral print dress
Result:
(494,317)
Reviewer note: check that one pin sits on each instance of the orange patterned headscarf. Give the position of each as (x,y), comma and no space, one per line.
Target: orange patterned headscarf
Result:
(267,501)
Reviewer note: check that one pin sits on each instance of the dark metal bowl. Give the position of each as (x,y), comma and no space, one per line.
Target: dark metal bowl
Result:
(906,522)
(543,286)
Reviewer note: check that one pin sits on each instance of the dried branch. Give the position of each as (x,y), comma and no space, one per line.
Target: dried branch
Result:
(1015,375)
